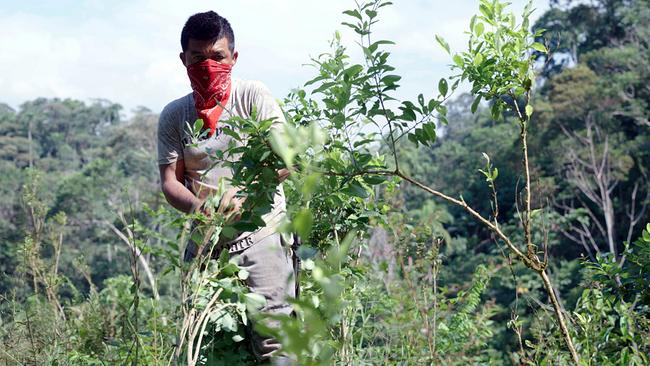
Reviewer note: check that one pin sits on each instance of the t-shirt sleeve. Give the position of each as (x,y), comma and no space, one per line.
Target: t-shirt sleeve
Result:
(170,148)
(267,106)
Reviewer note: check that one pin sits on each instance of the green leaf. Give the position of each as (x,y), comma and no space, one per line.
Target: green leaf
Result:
(442,109)
(373,47)
(487,13)
(312,81)
(443,43)
(412,138)
(529,110)
(374,179)
(430,130)
(458,60)
(478,59)
(265,155)
(408,114)
(237,338)
(281,148)
(198,124)
(433,104)
(303,222)
(353,70)
(495,111)
(455,84)
(646,236)
(323,87)
(390,79)
(228,232)
(242,274)
(475,104)
(539,47)
(443,87)
(229,269)
(356,190)
(254,301)
(353,13)
(478,29)
(371,13)
(245,226)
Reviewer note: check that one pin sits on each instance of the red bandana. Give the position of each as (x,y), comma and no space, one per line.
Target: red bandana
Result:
(211,84)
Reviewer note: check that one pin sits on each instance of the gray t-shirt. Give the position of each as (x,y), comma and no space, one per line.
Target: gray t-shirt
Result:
(202,172)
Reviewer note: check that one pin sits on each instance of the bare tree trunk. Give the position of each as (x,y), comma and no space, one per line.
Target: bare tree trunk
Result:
(608,212)
(592,175)
(559,314)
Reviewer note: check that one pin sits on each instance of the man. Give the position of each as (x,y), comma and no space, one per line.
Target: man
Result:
(187,170)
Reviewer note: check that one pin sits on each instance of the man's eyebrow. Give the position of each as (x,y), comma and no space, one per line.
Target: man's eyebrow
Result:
(218,52)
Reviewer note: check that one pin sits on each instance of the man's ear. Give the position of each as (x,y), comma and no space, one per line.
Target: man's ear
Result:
(182,57)
(234,58)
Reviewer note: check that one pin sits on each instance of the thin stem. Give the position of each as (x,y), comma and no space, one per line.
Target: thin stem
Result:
(528,261)
(435,269)
(380,97)
(527,222)
(559,314)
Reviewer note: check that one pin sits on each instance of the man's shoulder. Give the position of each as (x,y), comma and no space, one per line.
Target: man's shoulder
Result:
(250,87)
(176,109)
(254,94)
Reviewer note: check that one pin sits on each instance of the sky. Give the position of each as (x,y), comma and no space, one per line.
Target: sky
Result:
(127,51)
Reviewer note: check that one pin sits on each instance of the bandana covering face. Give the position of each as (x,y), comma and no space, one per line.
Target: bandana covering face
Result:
(211,85)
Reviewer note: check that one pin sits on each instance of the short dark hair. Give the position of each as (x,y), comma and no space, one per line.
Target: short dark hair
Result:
(207,26)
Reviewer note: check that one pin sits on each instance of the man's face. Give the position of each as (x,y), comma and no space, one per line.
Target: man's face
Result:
(218,50)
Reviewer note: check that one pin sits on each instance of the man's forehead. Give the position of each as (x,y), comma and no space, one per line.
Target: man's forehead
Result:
(213,45)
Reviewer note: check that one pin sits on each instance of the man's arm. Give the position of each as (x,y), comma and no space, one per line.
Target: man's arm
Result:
(172,176)
(171,180)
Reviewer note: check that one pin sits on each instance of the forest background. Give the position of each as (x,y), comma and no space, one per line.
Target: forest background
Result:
(81,217)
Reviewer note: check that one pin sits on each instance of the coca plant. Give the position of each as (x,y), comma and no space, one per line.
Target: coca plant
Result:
(345,97)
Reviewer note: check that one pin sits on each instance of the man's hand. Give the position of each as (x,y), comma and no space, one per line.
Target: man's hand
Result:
(231,206)
(283,174)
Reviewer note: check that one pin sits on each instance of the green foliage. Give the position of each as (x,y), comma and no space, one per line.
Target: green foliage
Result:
(612,326)
(216,313)
(409,284)
(498,61)
(611,332)
(626,278)
(307,337)
(96,332)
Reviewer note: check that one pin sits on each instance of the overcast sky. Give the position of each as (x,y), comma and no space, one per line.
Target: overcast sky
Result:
(127,51)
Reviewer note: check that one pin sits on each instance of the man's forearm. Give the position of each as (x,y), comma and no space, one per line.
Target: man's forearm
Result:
(180,197)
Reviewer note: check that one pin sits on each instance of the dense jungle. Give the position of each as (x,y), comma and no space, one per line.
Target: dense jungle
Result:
(506,224)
